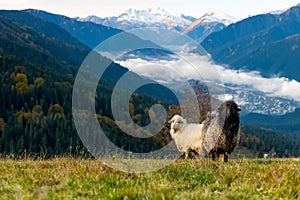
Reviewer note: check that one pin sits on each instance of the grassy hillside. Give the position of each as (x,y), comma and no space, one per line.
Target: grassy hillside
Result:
(67,178)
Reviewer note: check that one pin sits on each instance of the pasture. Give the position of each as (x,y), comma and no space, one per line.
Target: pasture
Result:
(69,178)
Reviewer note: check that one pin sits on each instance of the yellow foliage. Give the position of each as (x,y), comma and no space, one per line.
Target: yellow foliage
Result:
(98,116)
(56,111)
(58,108)
(38,82)
(22,87)
(30,87)
(21,83)
(108,121)
(21,78)
(2,124)
(37,109)
(20,114)
(131,109)
(27,116)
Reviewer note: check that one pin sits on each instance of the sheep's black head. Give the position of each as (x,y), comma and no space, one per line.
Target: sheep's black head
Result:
(229,109)
(232,108)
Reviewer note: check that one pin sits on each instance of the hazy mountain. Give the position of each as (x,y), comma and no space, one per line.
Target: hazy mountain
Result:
(153,17)
(289,124)
(47,28)
(207,24)
(266,43)
(89,33)
(262,141)
(93,34)
(37,48)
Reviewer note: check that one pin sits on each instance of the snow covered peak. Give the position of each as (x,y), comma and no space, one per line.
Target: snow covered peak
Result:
(208,23)
(218,17)
(138,16)
(278,12)
(158,18)
(151,18)
(91,18)
(154,16)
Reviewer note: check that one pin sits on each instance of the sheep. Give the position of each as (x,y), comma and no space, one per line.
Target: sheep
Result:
(217,135)
(188,137)
(222,130)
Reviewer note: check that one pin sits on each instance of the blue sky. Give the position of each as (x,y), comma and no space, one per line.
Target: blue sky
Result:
(196,8)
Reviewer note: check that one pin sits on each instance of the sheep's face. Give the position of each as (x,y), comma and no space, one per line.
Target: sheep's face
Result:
(229,109)
(177,122)
(232,108)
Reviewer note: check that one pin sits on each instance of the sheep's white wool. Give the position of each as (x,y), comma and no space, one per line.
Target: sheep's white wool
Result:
(217,135)
(187,136)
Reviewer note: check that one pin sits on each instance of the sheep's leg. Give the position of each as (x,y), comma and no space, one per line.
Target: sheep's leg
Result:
(225,159)
(182,156)
(193,154)
(201,157)
(203,153)
(213,155)
(187,155)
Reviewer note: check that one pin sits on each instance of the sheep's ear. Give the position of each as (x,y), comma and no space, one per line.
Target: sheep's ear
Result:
(170,121)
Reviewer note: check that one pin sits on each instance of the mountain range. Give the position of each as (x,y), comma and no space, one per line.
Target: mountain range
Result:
(216,24)
(287,124)
(159,18)
(267,43)
(89,33)
(153,17)
(209,23)
(25,35)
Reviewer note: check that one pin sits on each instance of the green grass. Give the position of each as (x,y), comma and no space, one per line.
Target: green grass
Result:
(68,178)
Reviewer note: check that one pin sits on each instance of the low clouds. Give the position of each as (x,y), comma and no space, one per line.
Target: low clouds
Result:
(191,66)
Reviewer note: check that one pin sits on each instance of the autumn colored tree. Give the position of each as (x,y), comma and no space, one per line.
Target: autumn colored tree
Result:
(2,124)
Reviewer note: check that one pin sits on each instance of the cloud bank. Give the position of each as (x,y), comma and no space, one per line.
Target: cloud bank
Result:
(192,66)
